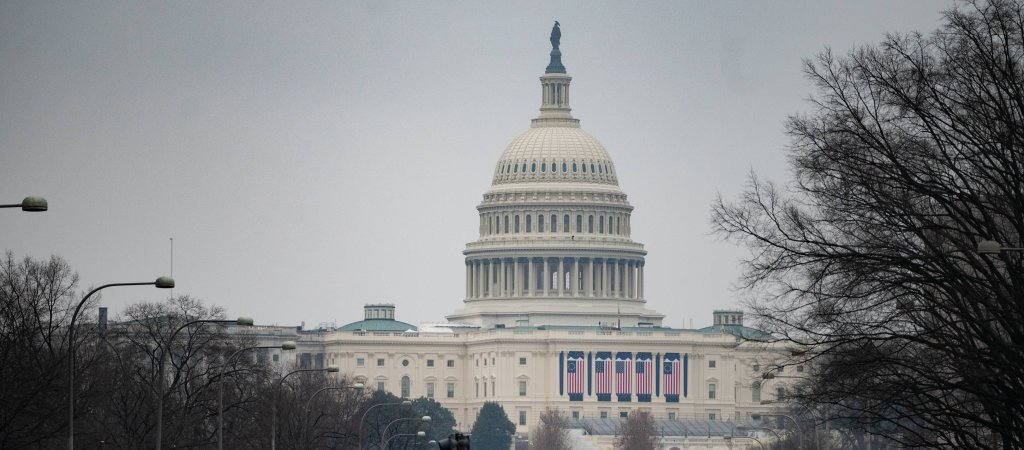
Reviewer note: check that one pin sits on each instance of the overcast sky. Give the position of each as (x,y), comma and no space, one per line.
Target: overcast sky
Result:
(310,157)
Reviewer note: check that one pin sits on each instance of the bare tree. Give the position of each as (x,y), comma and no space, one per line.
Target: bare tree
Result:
(36,297)
(638,432)
(552,433)
(912,155)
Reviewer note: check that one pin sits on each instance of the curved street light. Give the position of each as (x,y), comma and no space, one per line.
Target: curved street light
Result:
(31,204)
(286,345)
(305,415)
(273,403)
(383,435)
(759,443)
(242,321)
(418,434)
(989,247)
(162,283)
(360,430)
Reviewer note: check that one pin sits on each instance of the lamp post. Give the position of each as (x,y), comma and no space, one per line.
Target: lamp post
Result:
(799,429)
(360,430)
(759,443)
(424,419)
(243,321)
(286,345)
(817,439)
(273,403)
(305,416)
(417,434)
(31,204)
(989,247)
(162,283)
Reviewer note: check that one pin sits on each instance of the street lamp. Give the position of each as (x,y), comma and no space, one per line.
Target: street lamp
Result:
(360,430)
(989,247)
(273,403)
(417,434)
(286,345)
(759,443)
(817,439)
(242,321)
(799,429)
(424,419)
(305,416)
(162,283)
(31,204)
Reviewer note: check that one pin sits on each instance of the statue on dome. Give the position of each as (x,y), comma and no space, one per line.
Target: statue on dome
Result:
(556,36)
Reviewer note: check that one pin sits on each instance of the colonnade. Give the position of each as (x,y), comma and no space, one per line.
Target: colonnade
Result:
(554,277)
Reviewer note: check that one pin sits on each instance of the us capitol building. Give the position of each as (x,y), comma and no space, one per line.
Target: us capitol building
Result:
(554,314)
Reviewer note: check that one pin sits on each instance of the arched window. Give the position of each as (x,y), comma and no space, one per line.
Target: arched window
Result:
(579,223)
(524,167)
(517,223)
(599,169)
(405,387)
(515,169)
(584,167)
(543,167)
(564,168)
(574,167)
(506,224)
(529,223)
(540,223)
(554,223)
(755,392)
(590,224)
(591,167)
(490,225)
(609,224)
(618,225)
(533,167)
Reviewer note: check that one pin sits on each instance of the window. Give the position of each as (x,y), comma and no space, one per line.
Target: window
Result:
(276,358)
(573,167)
(522,389)
(800,369)
(711,364)
(451,363)
(517,223)
(554,223)
(515,168)
(451,390)
(380,386)
(529,223)
(477,389)
(755,392)
(522,417)
(533,167)
(591,168)
(485,388)
(492,360)
(540,223)
(711,391)
(590,224)
(485,362)
(506,225)
(781,368)
(405,387)
(430,390)
(600,224)
(712,416)
(780,393)
(757,367)
(564,170)
(604,414)
(430,363)
(360,362)
(624,414)
(543,167)
(405,363)
(522,360)
(524,167)
(575,414)
(565,223)
(493,390)
(671,416)
(478,363)
(579,223)
(380,362)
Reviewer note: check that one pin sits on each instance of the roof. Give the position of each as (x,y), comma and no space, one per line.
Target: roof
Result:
(666,427)
(736,330)
(377,325)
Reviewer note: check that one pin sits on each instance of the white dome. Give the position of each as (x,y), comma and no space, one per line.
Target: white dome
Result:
(555,154)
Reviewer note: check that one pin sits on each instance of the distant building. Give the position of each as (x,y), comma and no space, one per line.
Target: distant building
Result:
(555,314)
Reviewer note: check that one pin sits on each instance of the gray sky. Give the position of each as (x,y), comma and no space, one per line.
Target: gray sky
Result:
(310,157)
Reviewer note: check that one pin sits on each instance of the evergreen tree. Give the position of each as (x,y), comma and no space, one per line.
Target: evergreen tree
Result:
(492,429)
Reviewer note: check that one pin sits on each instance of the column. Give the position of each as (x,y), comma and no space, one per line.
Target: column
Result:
(486,265)
(502,292)
(531,279)
(468,277)
(518,282)
(476,279)
(629,279)
(546,279)
(620,287)
(588,278)
(561,276)
(604,278)
(640,281)
(575,278)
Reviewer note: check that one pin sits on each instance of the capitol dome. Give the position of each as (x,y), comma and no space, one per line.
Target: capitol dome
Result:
(555,244)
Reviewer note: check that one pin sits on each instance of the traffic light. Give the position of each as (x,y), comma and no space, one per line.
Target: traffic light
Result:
(455,441)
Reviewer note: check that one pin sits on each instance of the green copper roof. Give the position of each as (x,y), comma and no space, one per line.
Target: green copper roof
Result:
(738,331)
(377,325)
